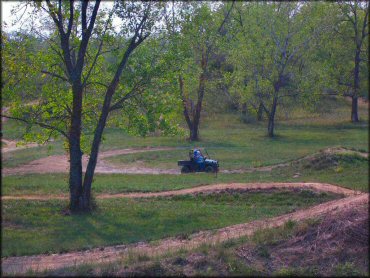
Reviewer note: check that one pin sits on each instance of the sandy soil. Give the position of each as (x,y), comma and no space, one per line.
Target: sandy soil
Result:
(59,163)
(41,262)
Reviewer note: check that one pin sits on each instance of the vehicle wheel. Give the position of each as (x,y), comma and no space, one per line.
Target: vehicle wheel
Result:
(209,169)
(185,170)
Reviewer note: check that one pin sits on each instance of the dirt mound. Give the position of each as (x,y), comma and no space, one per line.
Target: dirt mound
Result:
(330,158)
(340,239)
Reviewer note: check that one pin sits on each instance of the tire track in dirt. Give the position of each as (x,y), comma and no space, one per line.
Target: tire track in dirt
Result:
(321,187)
(59,163)
(19,265)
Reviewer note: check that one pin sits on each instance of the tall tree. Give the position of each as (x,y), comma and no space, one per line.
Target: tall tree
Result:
(199,34)
(80,40)
(272,41)
(355,14)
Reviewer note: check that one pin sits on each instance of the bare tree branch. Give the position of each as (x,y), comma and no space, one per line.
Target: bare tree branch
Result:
(44,125)
(98,53)
(54,75)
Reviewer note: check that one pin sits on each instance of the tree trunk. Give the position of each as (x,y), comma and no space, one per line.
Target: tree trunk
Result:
(356,82)
(194,134)
(185,107)
(271,123)
(260,112)
(193,122)
(90,170)
(244,109)
(75,153)
(354,110)
(198,108)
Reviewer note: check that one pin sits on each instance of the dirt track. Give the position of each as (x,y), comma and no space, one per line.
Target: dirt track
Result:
(40,262)
(59,163)
(323,187)
(11,145)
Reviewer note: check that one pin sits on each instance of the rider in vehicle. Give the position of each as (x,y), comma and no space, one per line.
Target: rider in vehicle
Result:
(199,159)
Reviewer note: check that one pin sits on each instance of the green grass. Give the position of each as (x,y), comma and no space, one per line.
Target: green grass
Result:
(233,143)
(12,129)
(219,260)
(33,227)
(24,156)
(351,172)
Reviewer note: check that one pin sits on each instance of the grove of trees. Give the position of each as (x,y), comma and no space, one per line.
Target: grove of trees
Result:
(72,69)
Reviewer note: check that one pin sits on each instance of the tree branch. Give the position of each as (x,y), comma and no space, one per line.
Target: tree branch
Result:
(119,104)
(37,123)
(55,75)
(226,17)
(71,14)
(86,33)
(98,53)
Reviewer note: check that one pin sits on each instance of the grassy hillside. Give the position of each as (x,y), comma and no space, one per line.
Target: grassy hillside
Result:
(33,227)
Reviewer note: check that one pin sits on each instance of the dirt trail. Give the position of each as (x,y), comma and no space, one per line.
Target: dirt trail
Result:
(11,145)
(321,187)
(20,265)
(362,102)
(59,163)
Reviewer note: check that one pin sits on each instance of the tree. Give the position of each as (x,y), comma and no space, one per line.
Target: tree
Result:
(355,14)
(199,32)
(79,40)
(272,42)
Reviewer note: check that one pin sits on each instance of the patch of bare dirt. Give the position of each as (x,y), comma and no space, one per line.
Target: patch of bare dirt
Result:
(108,254)
(3,111)
(11,145)
(59,163)
(213,188)
(341,237)
(362,102)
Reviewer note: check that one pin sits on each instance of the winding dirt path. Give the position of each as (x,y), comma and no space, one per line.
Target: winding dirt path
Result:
(59,163)
(20,265)
(321,187)
(11,145)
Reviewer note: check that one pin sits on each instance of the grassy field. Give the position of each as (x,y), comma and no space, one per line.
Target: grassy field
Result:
(350,171)
(234,143)
(33,227)
(245,256)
